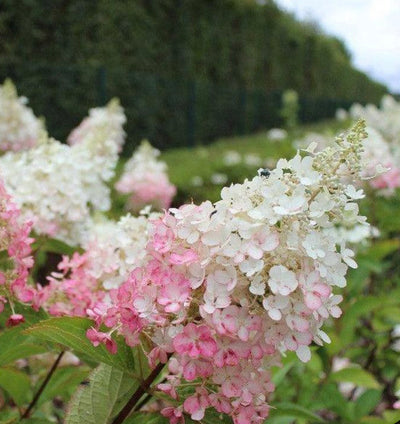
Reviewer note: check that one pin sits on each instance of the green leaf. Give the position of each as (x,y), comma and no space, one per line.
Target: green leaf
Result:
(367,402)
(392,416)
(211,417)
(71,332)
(373,420)
(146,418)
(286,409)
(105,395)
(16,384)
(279,420)
(329,397)
(12,417)
(54,246)
(280,374)
(381,248)
(15,345)
(357,376)
(63,383)
(363,307)
(31,316)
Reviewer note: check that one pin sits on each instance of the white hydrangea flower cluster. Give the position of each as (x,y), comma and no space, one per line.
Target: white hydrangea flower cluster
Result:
(20,129)
(114,248)
(97,141)
(109,119)
(46,183)
(264,245)
(226,288)
(257,224)
(57,186)
(146,180)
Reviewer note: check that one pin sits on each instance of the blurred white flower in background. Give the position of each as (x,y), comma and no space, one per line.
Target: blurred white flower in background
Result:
(219,178)
(197,181)
(321,140)
(252,159)
(232,157)
(341,114)
(396,336)
(277,134)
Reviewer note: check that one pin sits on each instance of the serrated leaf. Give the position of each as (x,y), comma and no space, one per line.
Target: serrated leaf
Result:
(101,400)
(355,375)
(286,409)
(71,332)
(17,384)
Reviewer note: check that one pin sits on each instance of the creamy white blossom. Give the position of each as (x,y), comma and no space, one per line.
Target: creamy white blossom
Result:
(20,129)
(106,120)
(115,248)
(58,186)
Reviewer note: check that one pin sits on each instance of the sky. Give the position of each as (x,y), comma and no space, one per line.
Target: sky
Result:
(370,29)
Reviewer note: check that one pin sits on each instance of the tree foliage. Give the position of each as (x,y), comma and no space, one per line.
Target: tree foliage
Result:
(185,70)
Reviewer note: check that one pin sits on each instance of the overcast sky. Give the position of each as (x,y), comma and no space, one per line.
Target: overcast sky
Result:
(370,29)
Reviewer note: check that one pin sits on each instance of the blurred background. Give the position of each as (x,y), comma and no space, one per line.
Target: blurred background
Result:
(186,71)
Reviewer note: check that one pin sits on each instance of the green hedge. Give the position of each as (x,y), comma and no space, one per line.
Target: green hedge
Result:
(186,70)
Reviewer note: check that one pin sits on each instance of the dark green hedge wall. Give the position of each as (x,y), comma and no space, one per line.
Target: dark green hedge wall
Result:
(186,70)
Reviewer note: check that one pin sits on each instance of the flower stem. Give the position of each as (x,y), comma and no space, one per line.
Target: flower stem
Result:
(43,385)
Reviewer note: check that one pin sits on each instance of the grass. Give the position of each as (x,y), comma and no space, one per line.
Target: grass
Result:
(205,161)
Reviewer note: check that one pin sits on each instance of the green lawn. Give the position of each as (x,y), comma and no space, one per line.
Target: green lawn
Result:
(204,161)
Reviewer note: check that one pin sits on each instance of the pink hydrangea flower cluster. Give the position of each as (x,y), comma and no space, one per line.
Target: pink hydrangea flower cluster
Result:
(72,290)
(145,179)
(112,251)
(16,257)
(228,287)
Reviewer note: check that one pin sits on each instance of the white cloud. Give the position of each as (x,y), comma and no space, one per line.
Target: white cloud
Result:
(370,29)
